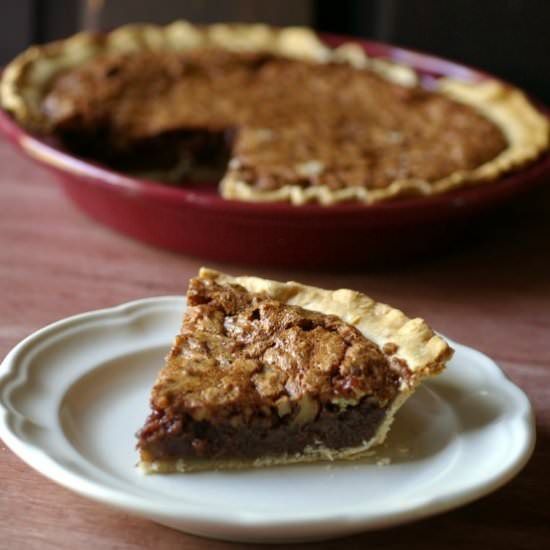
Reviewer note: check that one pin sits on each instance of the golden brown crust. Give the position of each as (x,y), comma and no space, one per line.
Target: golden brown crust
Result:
(526,130)
(238,348)
(25,82)
(424,352)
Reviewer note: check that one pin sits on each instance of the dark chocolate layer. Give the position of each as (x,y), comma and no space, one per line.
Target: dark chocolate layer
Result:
(165,438)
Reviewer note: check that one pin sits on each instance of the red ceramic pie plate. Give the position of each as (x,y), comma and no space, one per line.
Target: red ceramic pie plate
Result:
(197,221)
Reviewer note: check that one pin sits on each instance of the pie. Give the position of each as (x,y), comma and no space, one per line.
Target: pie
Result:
(275,114)
(265,373)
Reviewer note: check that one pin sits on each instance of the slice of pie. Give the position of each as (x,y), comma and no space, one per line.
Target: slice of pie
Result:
(266,373)
(274,114)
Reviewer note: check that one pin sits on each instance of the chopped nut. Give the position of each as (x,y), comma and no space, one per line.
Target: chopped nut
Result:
(390,348)
(344,403)
(307,410)
(201,413)
(310,169)
(264,134)
(283,406)
(234,163)
(394,137)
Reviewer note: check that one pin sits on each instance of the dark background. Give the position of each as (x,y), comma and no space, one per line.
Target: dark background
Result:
(510,38)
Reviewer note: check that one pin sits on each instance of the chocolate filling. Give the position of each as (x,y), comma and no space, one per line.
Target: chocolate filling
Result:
(171,157)
(166,438)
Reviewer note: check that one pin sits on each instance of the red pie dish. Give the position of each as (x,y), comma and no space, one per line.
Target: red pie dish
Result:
(196,220)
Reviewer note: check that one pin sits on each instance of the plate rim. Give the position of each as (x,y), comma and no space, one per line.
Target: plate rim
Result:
(159,507)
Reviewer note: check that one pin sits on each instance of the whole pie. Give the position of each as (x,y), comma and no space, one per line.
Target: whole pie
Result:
(274,113)
(265,373)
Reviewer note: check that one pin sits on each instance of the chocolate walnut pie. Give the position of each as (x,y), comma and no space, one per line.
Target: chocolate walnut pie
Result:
(266,373)
(274,113)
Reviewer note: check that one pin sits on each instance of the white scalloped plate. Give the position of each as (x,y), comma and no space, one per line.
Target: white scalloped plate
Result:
(73,394)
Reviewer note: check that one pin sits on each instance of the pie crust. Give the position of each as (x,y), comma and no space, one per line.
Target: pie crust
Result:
(26,81)
(410,343)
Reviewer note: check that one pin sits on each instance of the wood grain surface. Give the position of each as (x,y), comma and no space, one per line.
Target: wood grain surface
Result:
(492,294)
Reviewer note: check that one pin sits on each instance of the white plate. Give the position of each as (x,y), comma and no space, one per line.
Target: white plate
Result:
(73,394)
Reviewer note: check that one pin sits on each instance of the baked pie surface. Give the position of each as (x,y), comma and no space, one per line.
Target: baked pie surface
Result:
(287,118)
(266,373)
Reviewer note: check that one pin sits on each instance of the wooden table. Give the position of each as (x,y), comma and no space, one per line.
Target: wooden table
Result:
(493,294)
